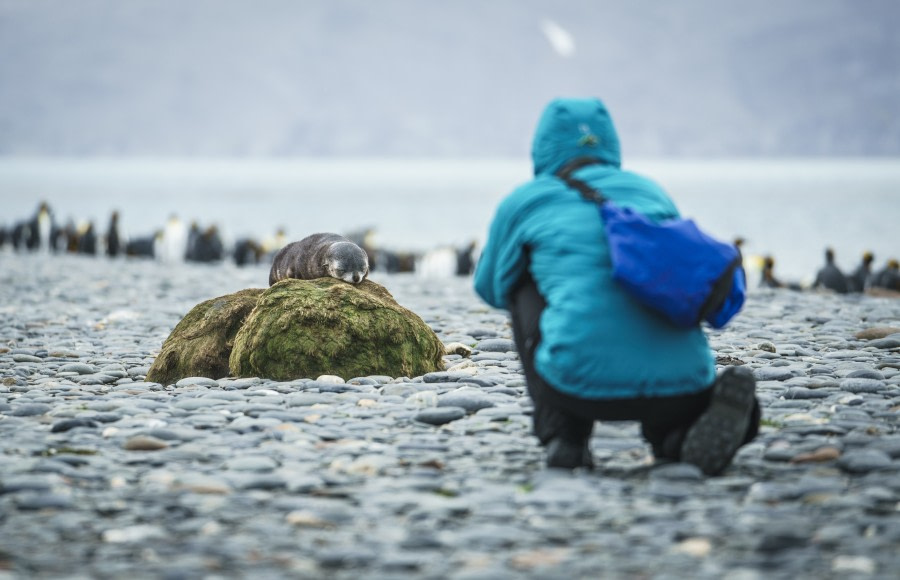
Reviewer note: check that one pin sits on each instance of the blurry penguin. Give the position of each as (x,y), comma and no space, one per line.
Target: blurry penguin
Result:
(437,263)
(40,230)
(860,277)
(830,276)
(113,240)
(87,240)
(172,246)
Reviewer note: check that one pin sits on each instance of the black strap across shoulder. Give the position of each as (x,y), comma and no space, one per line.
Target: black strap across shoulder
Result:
(586,191)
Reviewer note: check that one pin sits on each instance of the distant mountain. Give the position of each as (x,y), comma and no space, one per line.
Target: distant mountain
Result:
(461,78)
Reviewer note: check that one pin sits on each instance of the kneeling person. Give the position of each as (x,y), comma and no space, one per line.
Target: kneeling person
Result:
(588,350)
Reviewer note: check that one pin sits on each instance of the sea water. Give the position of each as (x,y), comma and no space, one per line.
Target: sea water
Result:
(790,209)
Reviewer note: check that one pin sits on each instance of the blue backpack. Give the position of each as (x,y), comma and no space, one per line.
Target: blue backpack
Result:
(672,267)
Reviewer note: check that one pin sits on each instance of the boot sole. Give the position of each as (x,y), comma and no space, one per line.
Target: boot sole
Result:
(718,433)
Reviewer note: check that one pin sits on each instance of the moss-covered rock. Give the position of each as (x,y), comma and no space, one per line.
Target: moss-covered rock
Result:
(307,328)
(200,344)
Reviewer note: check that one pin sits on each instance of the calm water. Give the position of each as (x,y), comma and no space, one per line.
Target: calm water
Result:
(790,209)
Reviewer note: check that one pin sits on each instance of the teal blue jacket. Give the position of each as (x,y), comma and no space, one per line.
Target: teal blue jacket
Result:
(596,341)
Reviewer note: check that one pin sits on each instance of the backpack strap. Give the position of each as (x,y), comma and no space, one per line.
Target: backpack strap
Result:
(586,191)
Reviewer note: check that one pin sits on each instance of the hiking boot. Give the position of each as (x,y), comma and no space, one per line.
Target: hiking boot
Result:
(711,442)
(568,454)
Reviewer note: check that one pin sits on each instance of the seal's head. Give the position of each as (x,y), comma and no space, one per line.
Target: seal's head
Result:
(346,261)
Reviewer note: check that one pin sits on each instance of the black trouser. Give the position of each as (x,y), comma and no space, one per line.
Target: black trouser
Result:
(559,415)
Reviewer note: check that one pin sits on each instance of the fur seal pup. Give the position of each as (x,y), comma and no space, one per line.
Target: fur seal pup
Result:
(320,255)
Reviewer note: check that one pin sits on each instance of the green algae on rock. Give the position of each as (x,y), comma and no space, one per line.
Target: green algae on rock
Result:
(307,328)
(200,344)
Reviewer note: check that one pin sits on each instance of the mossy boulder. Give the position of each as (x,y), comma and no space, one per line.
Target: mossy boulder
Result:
(200,344)
(307,328)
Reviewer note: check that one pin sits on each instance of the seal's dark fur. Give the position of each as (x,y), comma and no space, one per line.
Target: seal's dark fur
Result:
(320,255)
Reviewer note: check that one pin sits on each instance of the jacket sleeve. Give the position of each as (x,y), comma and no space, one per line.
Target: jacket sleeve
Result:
(503,258)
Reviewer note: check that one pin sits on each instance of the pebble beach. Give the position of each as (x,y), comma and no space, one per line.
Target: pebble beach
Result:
(106,475)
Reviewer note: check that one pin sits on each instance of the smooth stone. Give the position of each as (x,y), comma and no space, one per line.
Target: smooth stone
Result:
(30,409)
(175,434)
(864,461)
(804,393)
(876,332)
(481,333)
(865,374)
(772,374)
(308,399)
(862,385)
(26,358)
(255,463)
(446,377)
(96,379)
(885,343)
(43,501)
(29,482)
(422,399)
(144,443)
(469,398)
(363,381)
(203,484)
(196,403)
(197,382)
(259,481)
(68,424)
(440,415)
(677,472)
(80,368)
(134,534)
(496,345)
(890,445)
(140,371)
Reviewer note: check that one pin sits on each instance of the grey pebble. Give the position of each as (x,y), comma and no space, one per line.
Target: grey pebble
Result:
(470,399)
(43,501)
(496,345)
(196,382)
(68,424)
(264,478)
(29,409)
(864,461)
(885,343)
(80,368)
(770,373)
(440,415)
(257,463)
(862,385)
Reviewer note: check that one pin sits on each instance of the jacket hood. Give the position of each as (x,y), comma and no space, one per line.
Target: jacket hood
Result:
(571,128)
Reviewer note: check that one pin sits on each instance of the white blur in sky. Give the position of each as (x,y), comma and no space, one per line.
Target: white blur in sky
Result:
(559,38)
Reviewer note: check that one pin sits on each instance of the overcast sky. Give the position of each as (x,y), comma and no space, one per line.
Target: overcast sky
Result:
(464,78)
